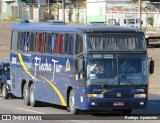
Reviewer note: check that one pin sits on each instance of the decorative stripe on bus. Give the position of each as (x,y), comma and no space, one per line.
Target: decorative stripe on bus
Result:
(49,82)
(57,91)
(105,91)
(24,67)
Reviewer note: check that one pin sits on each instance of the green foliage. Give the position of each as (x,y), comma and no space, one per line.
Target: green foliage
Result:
(150,20)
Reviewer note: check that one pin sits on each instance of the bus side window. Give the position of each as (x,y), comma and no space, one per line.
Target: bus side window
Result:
(59,43)
(69,44)
(32,42)
(40,42)
(26,40)
(79,44)
(14,40)
(20,42)
(66,43)
(52,44)
(48,43)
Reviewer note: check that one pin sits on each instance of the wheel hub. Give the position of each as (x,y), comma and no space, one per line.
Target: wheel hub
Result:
(3,92)
(31,97)
(25,94)
(72,102)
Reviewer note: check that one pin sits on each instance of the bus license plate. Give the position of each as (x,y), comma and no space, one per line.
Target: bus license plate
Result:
(118,103)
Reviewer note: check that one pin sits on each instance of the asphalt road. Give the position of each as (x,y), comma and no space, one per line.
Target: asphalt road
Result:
(16,106)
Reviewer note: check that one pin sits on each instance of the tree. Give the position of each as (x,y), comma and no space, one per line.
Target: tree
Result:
(150,20)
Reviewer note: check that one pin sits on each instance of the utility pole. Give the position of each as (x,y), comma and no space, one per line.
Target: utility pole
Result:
(57,11)
(39,7)
(63,10)
(48,6)
(39,4)
(18,9)
(140,14)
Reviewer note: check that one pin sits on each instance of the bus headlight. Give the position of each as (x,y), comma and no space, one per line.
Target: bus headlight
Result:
(140,96)
(94,95)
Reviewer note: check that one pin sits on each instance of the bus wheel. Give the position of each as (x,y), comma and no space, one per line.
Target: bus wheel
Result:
(26,95)
(5,94)
(33,102)
(72,105)
(126,111)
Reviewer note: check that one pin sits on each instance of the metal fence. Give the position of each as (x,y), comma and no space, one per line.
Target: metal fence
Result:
(116,13)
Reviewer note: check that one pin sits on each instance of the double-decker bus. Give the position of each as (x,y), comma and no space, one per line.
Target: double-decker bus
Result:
(56,63)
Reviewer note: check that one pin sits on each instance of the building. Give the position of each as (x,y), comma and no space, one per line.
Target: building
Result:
(5,9)
(24,9)
(83,11)
(101,6)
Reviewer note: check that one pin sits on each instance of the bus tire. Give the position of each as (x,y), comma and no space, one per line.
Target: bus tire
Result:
(33,102)
(5,94)
(72,105)
(26,95)
(126,111)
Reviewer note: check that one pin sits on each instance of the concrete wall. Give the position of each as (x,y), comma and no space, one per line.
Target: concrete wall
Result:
(6,12)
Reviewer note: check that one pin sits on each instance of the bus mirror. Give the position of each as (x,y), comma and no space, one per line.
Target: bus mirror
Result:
(151,67)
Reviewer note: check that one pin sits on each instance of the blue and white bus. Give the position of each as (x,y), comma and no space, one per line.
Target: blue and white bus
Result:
(52,62)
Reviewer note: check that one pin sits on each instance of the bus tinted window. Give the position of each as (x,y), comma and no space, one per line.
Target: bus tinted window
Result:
(120,42)
(59,43)
(40,42)
(20,43)
(14,39)
(69,44)
(48,43)
(23,40)
(32,42)
(79,44)
(26,41)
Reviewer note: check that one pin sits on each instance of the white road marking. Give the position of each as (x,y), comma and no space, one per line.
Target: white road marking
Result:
(154,103)
(31,110)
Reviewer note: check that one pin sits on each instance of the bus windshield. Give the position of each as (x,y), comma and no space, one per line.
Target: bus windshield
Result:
(117,69)
(110,42)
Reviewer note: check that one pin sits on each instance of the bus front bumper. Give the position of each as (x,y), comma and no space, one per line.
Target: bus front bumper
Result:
(120,103)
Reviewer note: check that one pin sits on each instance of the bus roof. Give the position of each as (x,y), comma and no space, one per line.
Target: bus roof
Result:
(44,26)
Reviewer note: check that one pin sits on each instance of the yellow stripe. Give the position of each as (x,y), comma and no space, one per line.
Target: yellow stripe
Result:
(106,91)
(57,91)
(50,83)
(24,67)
